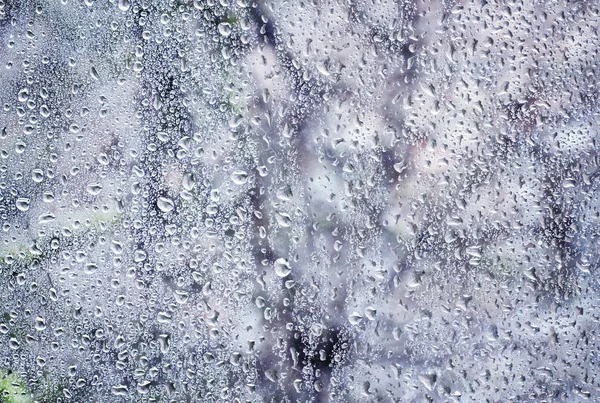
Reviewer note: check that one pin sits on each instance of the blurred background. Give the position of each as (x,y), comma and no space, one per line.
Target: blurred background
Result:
(299,201)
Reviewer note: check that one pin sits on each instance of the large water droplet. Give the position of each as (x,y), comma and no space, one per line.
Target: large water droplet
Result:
(23,203)
(165,204)
(225,29)
(124,5)
(94,188)
(139,255)
(239,177)
(282,267)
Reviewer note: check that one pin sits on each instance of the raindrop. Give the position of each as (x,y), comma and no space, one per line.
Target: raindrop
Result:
(282,267)
(165,204)
(23,203)
(46,218)
(239,177)
(139,255)
(124,5)
(40,324)
(94,188)
(224,29)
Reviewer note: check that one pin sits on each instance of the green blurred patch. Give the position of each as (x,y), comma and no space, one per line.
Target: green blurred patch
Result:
(13,388)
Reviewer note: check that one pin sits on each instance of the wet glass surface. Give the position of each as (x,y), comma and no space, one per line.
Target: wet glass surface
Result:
(299,201)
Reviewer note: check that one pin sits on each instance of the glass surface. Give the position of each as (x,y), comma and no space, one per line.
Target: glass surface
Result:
(299,201)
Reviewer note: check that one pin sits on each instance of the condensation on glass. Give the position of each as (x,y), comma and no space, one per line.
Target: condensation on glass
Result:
(299,201)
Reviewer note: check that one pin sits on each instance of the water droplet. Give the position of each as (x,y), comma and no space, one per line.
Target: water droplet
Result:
(23,95)
(48,197)
(284,193)
(90,268)
(23,203)
(37,175)
(139,255)
(93,71)
(14,344)
(119,390)
(117,247)
(428,380)
(94,188)
(103,159)
(164,317)
(188,182)
(282,267)
(181,297)
(20,147)
(143,387)
(225,29)
(569,183)
(40,361)
(165,204)
(40,324)
(355,318)
(124,5)
(283,219)
(46,218)
(239,177)
(162,136)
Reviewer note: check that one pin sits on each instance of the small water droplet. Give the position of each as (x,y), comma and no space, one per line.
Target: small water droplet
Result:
(20,147)
(143,387)
(46,218)
(37,175)
(181,297)
(90,268)
(23,95)
(119,390)
(355,318)
(103,159)
(94,72)
(117,248)
(14,344)
(40,324)
(283,219)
